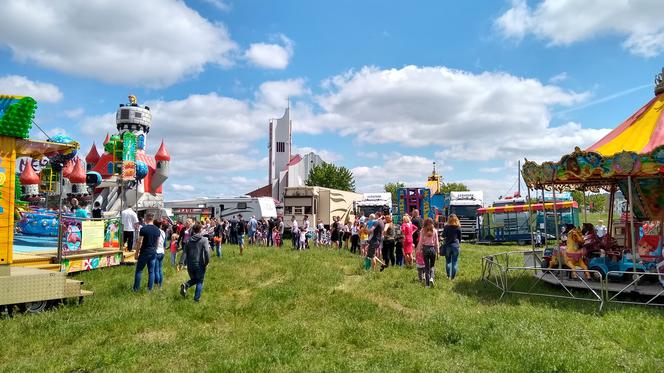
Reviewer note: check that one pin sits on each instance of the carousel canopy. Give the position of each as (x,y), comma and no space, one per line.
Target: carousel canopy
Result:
(641,133)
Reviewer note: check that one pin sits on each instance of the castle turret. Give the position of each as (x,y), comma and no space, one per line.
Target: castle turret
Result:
(29,182)
(67,169)
(77,179)
(136,119)
(92,158)
(163,160)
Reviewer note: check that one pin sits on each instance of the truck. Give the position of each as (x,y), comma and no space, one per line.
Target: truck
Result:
(318,203)
(464,205)
(224,208)
(372,203)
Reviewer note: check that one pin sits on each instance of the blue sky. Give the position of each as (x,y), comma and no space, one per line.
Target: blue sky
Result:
(381,87)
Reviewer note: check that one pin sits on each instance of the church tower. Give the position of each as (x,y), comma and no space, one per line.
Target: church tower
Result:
(279,150)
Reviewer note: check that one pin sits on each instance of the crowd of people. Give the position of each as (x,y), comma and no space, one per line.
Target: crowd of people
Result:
(377,239)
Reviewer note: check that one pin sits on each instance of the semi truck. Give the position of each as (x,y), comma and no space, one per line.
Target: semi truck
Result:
(372,203)
(464,205)
(318,203)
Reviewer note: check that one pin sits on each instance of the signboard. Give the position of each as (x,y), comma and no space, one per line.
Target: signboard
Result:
(112,233)
(93,234)
(71,235)
(37,164)
(128,156)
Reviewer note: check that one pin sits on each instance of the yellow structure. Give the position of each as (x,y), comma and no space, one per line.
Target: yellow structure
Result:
(434,181)
(7,190)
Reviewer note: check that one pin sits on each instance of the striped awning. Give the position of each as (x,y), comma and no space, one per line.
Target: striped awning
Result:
(524,208)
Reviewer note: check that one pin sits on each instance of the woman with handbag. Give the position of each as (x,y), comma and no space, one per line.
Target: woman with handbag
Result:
(451,248)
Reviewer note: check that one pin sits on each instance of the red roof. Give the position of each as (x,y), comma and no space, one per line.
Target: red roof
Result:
(107,139)
(102,165)
(93,155)
(265,191)
(68,168)
(294,160)
(77,175)
(29,176)
(162,154)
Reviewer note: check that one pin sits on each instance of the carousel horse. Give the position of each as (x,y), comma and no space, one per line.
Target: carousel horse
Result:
(573,254)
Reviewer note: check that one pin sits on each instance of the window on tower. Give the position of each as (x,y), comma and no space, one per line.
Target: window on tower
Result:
(281,147)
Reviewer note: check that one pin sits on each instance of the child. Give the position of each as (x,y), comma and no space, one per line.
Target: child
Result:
(303,240)
(364,239)
(174,248)
(419,263)
(276,237)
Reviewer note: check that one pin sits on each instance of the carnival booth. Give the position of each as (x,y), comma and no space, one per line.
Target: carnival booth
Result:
(30,288)
(628,260)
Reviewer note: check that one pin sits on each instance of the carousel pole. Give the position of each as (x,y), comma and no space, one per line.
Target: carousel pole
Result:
(631,222)
(612,201)
(59,255)
(555,219)
(585,207)
(530,224)
(544,217)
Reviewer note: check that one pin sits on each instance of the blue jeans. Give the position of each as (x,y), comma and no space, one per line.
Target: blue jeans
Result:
(196,277)
(145,259)
(217,246)
(158,270)
(451,258)
(173,259)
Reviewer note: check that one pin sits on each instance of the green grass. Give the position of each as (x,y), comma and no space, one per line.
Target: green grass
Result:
(318,311)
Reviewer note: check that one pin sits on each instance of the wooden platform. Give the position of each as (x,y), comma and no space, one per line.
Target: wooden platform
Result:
(83,261)
(650,289)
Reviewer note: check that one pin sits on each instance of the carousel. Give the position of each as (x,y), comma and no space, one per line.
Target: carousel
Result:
(626,264)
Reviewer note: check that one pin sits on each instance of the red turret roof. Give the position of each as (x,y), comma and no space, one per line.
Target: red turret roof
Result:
(107,139)
(77,175)
(67,169)
(162,154)
(93,155)
(29,176)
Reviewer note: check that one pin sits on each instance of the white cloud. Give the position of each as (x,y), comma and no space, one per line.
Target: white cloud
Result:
(39,135)
(558,78)
(412,170)
(22,86)
(182,187)
(491,115)
(370,155)
(563,22)
(221,5)
(271,56)
(491,170)
(138,43)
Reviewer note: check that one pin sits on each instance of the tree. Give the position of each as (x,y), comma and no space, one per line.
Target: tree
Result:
(392,188)
(454,187)
(330,176)
(594,202)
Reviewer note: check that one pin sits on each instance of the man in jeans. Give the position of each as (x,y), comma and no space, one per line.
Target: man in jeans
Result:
(147,251)
(129,225)
(196,256)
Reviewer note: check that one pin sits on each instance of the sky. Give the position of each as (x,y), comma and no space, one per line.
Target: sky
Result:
(382,87)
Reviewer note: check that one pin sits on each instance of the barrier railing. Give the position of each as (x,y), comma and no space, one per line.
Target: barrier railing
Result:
(521,273)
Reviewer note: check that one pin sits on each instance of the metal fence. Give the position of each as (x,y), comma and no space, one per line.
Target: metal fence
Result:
(521,273)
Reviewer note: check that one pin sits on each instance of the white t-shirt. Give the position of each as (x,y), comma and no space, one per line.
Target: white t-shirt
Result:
(160,242)
(129,219)
(295,226)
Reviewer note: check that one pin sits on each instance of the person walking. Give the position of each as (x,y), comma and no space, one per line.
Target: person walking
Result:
(218,238)
(197,258)
(452,245)
(159,259)
(388,243)
(408,229)
(305,231)
(417,222)
(428,243)
(146,252)
(355,237)
(270,229)
(295,233)
(376,234)
(281,227)
(241,229)
(129,225)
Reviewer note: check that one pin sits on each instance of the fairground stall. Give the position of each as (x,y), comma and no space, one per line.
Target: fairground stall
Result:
(625,265)
(29,288)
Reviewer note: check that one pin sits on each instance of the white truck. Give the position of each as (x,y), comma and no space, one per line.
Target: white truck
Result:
(225,208)
(372,203)
(464,205)
(318,203)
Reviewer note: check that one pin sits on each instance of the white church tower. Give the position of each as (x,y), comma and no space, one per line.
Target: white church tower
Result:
(279,150)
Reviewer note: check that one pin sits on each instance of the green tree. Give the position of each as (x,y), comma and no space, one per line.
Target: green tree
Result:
(392,188)
(330,176)
(454,187)
(594,202)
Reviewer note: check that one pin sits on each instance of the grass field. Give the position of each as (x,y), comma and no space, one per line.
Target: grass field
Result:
(318,311)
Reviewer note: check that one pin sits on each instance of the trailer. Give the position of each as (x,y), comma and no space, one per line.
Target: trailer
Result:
(372,203)
(224,208)
(464,205)
(319,203)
